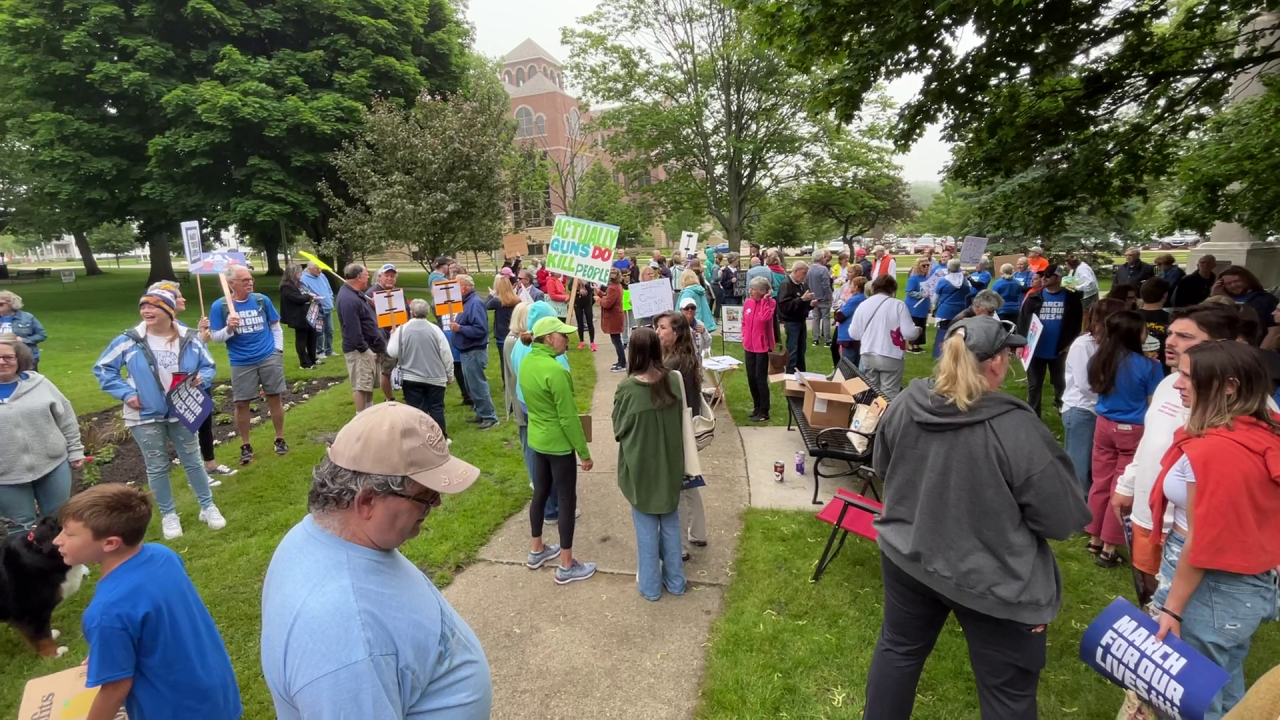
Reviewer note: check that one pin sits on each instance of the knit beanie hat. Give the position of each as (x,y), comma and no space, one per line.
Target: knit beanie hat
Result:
(161,299)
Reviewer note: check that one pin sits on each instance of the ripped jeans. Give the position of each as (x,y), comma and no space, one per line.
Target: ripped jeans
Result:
(1220,618)
(153,439)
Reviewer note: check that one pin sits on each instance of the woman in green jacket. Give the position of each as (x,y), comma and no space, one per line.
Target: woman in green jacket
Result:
(555,434)
(647,416)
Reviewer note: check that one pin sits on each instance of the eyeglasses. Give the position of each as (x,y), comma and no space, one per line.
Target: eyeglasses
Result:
(9,358)
(431,500)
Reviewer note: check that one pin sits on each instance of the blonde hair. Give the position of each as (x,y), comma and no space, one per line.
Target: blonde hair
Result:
(506,295)
(688,278)
(859,284)
(520,320)
(12,298)
(921,267)
(1006,270)
(958,375)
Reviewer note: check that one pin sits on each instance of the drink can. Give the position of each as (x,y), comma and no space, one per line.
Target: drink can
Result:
(779,469)
(800,463)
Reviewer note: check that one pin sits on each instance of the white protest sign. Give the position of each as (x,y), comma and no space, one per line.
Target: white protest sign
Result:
(972,249)
(650,298)
(68,276)
(582,249)
(688,242)
(191,242)
(731,323)
(1033,336)
(390,308)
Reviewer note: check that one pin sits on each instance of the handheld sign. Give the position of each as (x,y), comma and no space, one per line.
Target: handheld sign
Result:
(190,405)
(391,308)
(515,245)
(1171,676)
(62,695)
(972,250)
(688,242)
(650,298)
(447,296)
(731,323)
(216,263)
(582,249)
(1033,337)
(191,241)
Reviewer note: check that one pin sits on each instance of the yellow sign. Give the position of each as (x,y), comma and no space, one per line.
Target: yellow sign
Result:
(60,696)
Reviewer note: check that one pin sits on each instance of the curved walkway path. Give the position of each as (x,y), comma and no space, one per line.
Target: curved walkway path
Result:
(597,649)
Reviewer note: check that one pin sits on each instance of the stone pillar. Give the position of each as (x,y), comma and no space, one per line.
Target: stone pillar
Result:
(1230,242)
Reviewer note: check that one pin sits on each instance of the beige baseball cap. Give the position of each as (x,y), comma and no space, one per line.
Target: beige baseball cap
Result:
(391,438)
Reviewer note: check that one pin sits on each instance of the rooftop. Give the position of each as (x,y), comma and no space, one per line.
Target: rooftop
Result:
(528,50)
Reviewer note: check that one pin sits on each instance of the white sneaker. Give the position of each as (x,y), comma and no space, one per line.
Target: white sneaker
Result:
(171,526)
(213,518)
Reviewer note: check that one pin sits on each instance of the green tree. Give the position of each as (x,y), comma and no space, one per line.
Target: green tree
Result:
(602,199)
(432,178)
(781,222)
(948,212)
(691,90)
(116,239)
(855,184)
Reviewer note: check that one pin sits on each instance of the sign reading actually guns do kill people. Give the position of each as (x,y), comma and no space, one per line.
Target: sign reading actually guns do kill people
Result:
(1169,675)
(582,249)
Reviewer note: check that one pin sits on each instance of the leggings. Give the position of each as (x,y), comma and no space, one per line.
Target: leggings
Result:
(206,439)
(586,319)
(562,470)
(616,339)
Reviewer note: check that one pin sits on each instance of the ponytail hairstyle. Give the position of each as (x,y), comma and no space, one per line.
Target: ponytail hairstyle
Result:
(958,374)
(1124,334)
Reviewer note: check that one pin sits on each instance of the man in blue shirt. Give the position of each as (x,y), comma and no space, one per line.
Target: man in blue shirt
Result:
(1061,315)
(318,284)
(470,335)
(255,348)
(351,628)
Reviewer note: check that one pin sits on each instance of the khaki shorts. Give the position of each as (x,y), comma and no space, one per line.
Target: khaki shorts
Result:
(362,370)
(268,375)
(386,363)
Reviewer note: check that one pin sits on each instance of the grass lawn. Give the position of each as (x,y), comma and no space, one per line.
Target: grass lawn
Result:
(264,500)
(788,648)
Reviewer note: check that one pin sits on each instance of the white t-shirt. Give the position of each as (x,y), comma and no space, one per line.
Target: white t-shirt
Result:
(6,325)
(875,323)
(1078,394)
(165,351)
(1175,489)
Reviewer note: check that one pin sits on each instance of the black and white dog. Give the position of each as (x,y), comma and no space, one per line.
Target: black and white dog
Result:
(33,580)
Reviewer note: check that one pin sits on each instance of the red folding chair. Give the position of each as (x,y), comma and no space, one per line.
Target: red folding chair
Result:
(846,513)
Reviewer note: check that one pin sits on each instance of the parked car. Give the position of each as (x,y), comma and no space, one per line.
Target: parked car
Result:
(835,247)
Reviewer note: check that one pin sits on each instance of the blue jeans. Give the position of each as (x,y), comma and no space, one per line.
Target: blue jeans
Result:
(324,337)
(153,439)
(1079,426)
(1220,618)
(474,364)
(796,345)
(552,511)
(19,502)
(658,544)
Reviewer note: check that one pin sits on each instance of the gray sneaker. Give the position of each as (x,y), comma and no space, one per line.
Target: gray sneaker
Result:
(538,559)
(573,573)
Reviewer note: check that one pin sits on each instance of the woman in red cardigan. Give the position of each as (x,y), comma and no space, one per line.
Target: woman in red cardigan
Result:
(758,341)
(612,319)
(1218,574)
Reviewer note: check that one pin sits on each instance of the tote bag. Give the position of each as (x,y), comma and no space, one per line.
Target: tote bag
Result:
(692,468)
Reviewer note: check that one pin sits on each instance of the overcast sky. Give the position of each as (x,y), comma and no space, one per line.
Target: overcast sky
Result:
(503,24)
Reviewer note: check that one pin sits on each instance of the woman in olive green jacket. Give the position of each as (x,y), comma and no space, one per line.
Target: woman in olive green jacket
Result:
(555,434)
(647,413)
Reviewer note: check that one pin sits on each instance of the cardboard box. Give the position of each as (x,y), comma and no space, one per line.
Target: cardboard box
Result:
(794,382)
(60,696)
(828,403)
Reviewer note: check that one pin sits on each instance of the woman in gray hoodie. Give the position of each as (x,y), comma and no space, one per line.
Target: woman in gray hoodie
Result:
(974,488)
(40,443)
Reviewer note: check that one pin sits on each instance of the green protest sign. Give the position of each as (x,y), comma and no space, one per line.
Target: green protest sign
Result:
(582,249)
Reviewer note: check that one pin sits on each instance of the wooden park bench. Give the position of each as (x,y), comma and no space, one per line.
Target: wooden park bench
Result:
(832,445)
(182,276)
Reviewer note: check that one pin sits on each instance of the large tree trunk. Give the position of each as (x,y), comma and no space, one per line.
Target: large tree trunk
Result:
(86,254)
(271,248)
(161,262)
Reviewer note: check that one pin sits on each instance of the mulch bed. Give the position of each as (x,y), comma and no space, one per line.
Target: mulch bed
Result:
(118,458)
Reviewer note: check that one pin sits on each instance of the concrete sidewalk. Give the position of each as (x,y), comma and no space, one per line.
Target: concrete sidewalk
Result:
(596,649)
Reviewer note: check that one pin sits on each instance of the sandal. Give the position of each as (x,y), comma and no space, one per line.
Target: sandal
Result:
(1093,548)
(1111,559)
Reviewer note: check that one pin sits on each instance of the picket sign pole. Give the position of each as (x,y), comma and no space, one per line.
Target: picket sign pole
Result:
(573,296)
(200,292)
(226,291)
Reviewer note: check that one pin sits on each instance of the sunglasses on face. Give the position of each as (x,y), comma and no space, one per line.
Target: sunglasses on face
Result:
(430,500)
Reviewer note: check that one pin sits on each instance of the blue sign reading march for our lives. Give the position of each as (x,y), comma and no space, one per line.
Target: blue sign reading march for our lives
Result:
(1170,675)
(190,405)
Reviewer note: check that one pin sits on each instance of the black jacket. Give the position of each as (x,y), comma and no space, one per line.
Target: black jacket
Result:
(358,322)
(729,281)
(1072,317)
(294,303)
(1192,289)
(1126,275)
(790,307)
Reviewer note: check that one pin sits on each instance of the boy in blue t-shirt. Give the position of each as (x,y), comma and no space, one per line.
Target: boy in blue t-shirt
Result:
(153,648)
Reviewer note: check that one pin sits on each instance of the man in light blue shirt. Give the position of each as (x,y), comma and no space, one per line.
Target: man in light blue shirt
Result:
(318,284)
(350,627)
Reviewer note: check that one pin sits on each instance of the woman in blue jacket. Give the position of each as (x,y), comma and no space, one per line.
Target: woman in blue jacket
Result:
(1012,291)
(849,347)
(160,355)
(952,292)
(918,302)
(693,288)
(13,319)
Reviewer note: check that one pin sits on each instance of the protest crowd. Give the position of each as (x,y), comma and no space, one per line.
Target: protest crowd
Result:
(1156,381)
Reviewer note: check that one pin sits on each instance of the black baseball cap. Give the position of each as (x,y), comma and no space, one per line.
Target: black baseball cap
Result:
(1051,269)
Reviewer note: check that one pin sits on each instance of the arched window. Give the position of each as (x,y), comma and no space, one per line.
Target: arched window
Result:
(533,70)
(540,125)
(544,69)
(519,77)
(506,77)
(524,122)
(573,124)
(551,76)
